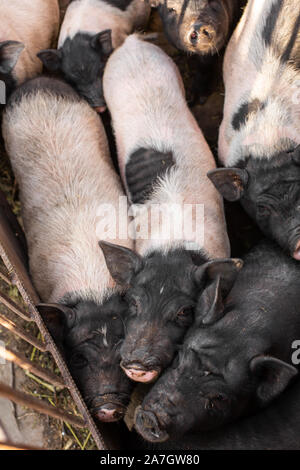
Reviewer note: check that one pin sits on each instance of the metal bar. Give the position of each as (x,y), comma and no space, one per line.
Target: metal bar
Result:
(11,446)
(4,277)
(14,307)
(11,326)
(25,364)
(26,400)
(13,254)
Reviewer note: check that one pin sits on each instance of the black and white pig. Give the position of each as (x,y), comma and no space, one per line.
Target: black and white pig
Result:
(163,159)
(237,357)
(260,133)
(25,28)
(200,27)
(90,31)
(59,153)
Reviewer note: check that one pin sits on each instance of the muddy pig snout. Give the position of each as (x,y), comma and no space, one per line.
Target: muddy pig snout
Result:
(147,425)
(139,373)
(201,36)
(108,408)
(109,413)
(138,359)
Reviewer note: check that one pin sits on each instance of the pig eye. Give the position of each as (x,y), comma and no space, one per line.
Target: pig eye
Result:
(185,315)
(263,211)
(79,360)
(171,10)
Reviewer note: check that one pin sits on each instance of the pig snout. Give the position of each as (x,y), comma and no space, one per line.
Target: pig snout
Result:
(109,413)
(202,36)
(107,409)
(148,426)
(100,109)
(139,373)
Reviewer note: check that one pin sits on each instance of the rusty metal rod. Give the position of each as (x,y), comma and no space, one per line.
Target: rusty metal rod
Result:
(26,400)
(11,326)
(5,277)
(25,364)
(11,446)
(14,307)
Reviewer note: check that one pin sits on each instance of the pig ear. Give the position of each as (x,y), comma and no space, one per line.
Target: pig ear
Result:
(55,317)
(210,306)
(51,59)
(103,42)
(227,269)
(230,182)
(9,55)
(220,276)
(121,262)
(274,374)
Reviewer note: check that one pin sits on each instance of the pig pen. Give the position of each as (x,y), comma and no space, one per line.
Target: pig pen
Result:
(24,339)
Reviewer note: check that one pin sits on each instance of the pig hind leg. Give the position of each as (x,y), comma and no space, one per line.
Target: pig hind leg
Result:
(144,168)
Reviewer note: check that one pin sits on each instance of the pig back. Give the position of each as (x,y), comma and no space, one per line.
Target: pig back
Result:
(59,153)
(261,113)
(145,95)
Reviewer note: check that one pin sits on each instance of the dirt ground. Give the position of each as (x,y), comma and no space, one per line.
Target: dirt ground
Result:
(30,427)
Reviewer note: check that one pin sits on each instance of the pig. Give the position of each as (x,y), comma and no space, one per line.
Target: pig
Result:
(25,29)
(238,355)
(90,31)
(273,428)
(260,133)
(59,154)
(163,159)
(202,28)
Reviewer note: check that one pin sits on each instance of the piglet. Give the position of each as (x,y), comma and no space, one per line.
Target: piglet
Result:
(163,160)
(201,28)
(237,357)
(90,31)
(59,153)
(25,29)
(259,141)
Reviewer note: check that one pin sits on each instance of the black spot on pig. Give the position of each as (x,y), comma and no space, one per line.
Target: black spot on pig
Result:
(236,358)
(143,170)
(271,21)
(121,4)
(269,190)
(161,292)
(287,54)
(241,116)
(9,54)
(81,61)
(90,337)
